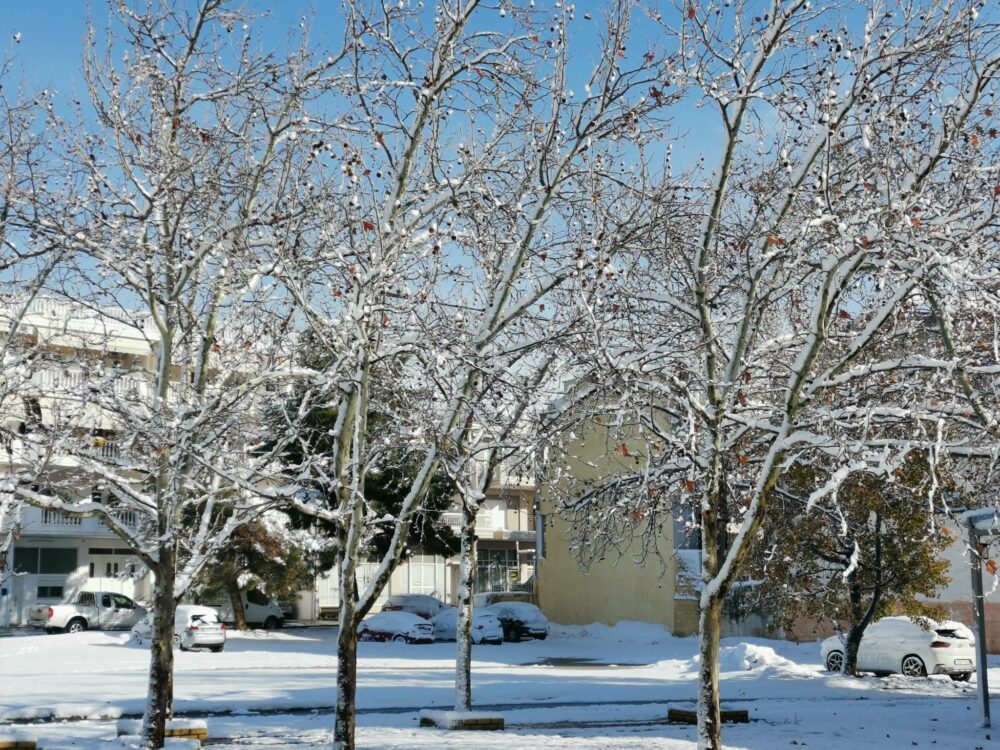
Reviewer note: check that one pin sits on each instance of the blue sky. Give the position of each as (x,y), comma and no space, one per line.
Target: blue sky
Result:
(52,32)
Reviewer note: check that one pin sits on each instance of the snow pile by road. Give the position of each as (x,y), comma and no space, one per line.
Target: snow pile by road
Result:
(624,631)
(747,657)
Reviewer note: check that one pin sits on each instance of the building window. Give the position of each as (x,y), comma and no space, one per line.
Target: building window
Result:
(45,560)
(92,570)
(687,533)
(50,592)
(497,569)
(422,574)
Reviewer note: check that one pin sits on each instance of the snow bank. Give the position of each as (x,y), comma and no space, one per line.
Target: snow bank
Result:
(461,719)
(746,657)
(625,631)
(134,742)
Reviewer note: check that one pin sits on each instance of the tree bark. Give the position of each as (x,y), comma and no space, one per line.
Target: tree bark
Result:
(236,601)
(856,630)
(463,634)
(709,713)
(347,673)
(159,697)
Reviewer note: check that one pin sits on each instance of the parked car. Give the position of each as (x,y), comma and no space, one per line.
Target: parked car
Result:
(403,627)
(89,610)
(519,620)
(195,626)
(489,598)
(898,644)
(486,628)
(259,610)
(423,605)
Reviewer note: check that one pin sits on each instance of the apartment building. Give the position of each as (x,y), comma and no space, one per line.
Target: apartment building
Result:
(53,556)
(505,550)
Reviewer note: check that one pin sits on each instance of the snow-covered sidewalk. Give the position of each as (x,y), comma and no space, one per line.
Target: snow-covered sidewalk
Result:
(591,687)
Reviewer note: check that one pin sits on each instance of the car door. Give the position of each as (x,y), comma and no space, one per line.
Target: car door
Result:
(127,613)
(107,616)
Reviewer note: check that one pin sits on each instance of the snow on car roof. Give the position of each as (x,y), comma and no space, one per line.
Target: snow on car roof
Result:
(396,618)
(451,613)
(520,608)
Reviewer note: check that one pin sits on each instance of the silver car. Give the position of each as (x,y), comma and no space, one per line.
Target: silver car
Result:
(195,626)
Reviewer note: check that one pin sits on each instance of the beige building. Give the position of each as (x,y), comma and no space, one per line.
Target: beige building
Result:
(623,585)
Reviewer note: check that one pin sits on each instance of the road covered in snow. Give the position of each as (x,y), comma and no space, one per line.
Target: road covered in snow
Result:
(590,687)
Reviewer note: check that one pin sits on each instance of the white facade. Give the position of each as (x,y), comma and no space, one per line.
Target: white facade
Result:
(52,556)
(55,557)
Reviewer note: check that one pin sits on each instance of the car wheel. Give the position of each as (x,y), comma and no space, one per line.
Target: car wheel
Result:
(177,641)
(136,637)
(835,661)
(913,666)
(399,639)
(76,626)
(961,676)
(271,623)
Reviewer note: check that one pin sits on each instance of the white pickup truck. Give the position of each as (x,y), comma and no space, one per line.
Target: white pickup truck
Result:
(91,610)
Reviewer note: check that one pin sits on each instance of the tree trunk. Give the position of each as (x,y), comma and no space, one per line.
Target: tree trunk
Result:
(159,698)
(347,638)
(236,601)
(347,676)
(855,631)
(851,645)
(463,634)
(709,714)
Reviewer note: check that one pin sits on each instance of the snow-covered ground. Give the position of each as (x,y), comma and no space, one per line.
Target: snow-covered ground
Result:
(588,688)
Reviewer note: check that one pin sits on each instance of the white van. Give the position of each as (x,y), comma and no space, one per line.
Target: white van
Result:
(259,610)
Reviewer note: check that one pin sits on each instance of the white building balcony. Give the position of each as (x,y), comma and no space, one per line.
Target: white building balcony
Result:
(38,521)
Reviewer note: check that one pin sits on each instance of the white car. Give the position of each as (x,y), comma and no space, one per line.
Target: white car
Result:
(486,628)
(519,620)
(898,644)
(195,626)
(402,627)
(258,609)
(423,605)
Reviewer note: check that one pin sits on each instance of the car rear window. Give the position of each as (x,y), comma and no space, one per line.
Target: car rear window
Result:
(946,633)
(207,619)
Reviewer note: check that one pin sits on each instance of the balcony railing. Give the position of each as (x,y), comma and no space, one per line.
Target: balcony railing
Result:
(55,518)
(485,521)
(71,381)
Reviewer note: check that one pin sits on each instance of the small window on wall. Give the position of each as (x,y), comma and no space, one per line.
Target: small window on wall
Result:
(92,570)
(50,592)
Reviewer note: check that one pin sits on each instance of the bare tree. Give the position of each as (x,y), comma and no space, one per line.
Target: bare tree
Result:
(191,182)
(768,325)
(463,160)
(30,188)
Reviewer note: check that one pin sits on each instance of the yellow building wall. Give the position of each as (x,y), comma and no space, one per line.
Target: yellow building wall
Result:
(617,587)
